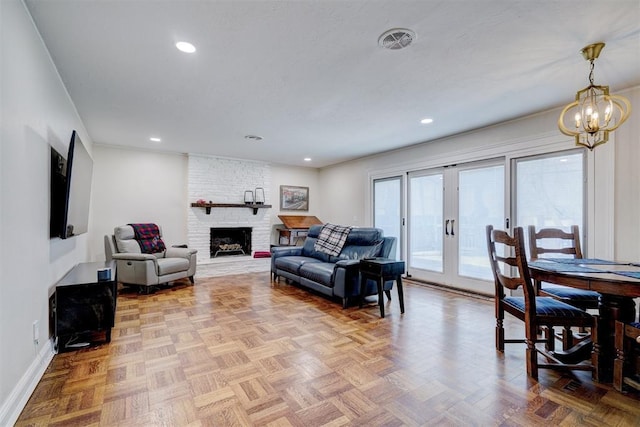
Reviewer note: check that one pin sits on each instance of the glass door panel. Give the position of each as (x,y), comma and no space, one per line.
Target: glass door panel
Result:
(550,191)
(387,208)
(481,202)
(426,250)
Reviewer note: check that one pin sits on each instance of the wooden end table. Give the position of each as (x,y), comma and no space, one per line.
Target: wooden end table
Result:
(381,270)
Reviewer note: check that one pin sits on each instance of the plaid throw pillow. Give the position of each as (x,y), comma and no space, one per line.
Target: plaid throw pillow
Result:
(332,238)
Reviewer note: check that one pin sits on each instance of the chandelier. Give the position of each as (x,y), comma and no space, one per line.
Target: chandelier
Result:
(594,113)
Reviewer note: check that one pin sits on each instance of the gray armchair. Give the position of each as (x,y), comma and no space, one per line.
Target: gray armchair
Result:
(145,270)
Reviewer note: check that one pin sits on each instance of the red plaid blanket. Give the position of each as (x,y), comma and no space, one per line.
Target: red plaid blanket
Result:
(148,237)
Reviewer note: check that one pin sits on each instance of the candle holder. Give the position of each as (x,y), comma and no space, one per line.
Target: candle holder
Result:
(259,196)
(248,197)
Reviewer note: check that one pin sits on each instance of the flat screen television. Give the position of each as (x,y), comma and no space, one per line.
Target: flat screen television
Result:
(70,190)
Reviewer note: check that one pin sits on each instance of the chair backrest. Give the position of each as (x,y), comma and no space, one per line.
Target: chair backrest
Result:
(109,247)
(513,255)
(554,241)
(125,240)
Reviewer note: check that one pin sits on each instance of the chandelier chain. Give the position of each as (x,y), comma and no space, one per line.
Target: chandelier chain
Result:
(591,72)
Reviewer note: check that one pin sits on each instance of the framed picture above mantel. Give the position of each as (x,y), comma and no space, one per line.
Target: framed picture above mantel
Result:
(294,198)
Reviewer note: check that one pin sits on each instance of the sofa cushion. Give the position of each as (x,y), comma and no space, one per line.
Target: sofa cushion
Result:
(292,264)
(364,236)
(314,230)
(359,252)
(172,265)
(309,250)
(319,272)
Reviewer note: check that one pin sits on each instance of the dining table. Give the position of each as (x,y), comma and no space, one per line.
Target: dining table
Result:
(617,282)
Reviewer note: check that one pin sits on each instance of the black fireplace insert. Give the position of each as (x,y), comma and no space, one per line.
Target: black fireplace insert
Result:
(230,241)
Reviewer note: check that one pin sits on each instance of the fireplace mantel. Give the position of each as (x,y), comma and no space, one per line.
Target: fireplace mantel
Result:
(208,206)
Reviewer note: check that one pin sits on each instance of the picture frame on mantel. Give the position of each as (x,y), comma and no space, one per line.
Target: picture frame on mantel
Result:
(294,198)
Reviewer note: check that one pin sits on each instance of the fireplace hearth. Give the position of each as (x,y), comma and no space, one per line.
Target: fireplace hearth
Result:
(230,241)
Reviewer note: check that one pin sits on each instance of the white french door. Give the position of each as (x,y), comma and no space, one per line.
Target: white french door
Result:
(448,210)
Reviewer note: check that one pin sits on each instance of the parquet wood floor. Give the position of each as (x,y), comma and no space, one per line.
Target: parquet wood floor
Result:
(242,350)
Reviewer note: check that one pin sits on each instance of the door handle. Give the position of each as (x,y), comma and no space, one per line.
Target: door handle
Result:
(453,221)
(446,227)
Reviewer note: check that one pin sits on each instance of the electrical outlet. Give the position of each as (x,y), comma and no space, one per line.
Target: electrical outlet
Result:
(36,331)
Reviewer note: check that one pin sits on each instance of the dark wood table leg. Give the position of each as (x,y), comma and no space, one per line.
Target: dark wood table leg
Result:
(380,283)
(611,308)
(400,293)
(363,281)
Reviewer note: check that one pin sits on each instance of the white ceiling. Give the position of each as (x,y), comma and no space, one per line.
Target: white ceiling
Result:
(309,76)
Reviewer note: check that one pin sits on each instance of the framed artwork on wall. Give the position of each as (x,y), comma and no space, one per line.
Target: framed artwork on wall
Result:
(294,198)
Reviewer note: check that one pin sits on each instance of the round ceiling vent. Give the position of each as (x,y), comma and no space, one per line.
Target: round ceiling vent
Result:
(396,38)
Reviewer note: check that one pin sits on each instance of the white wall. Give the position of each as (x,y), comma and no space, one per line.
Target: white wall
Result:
(132,186)
(299,177)
(345,187)
(627,183)
(346,184)
(35,112)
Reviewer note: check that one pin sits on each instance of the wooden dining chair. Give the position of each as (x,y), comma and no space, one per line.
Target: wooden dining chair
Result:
(511,272)
(627,362)
(540,245)
(550,242)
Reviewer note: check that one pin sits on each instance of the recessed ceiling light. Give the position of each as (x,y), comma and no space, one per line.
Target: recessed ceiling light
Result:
(307,159)
(154,139)
(186,47)
(426,121)
(253,137)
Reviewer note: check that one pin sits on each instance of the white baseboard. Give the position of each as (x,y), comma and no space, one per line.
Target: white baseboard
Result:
(15,403)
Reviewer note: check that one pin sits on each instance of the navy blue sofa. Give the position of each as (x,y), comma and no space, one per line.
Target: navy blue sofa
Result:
(335,276)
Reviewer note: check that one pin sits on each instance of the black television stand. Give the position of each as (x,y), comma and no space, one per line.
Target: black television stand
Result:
(81,307)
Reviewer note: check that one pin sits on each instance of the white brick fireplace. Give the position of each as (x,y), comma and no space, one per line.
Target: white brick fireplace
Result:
(222,180)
